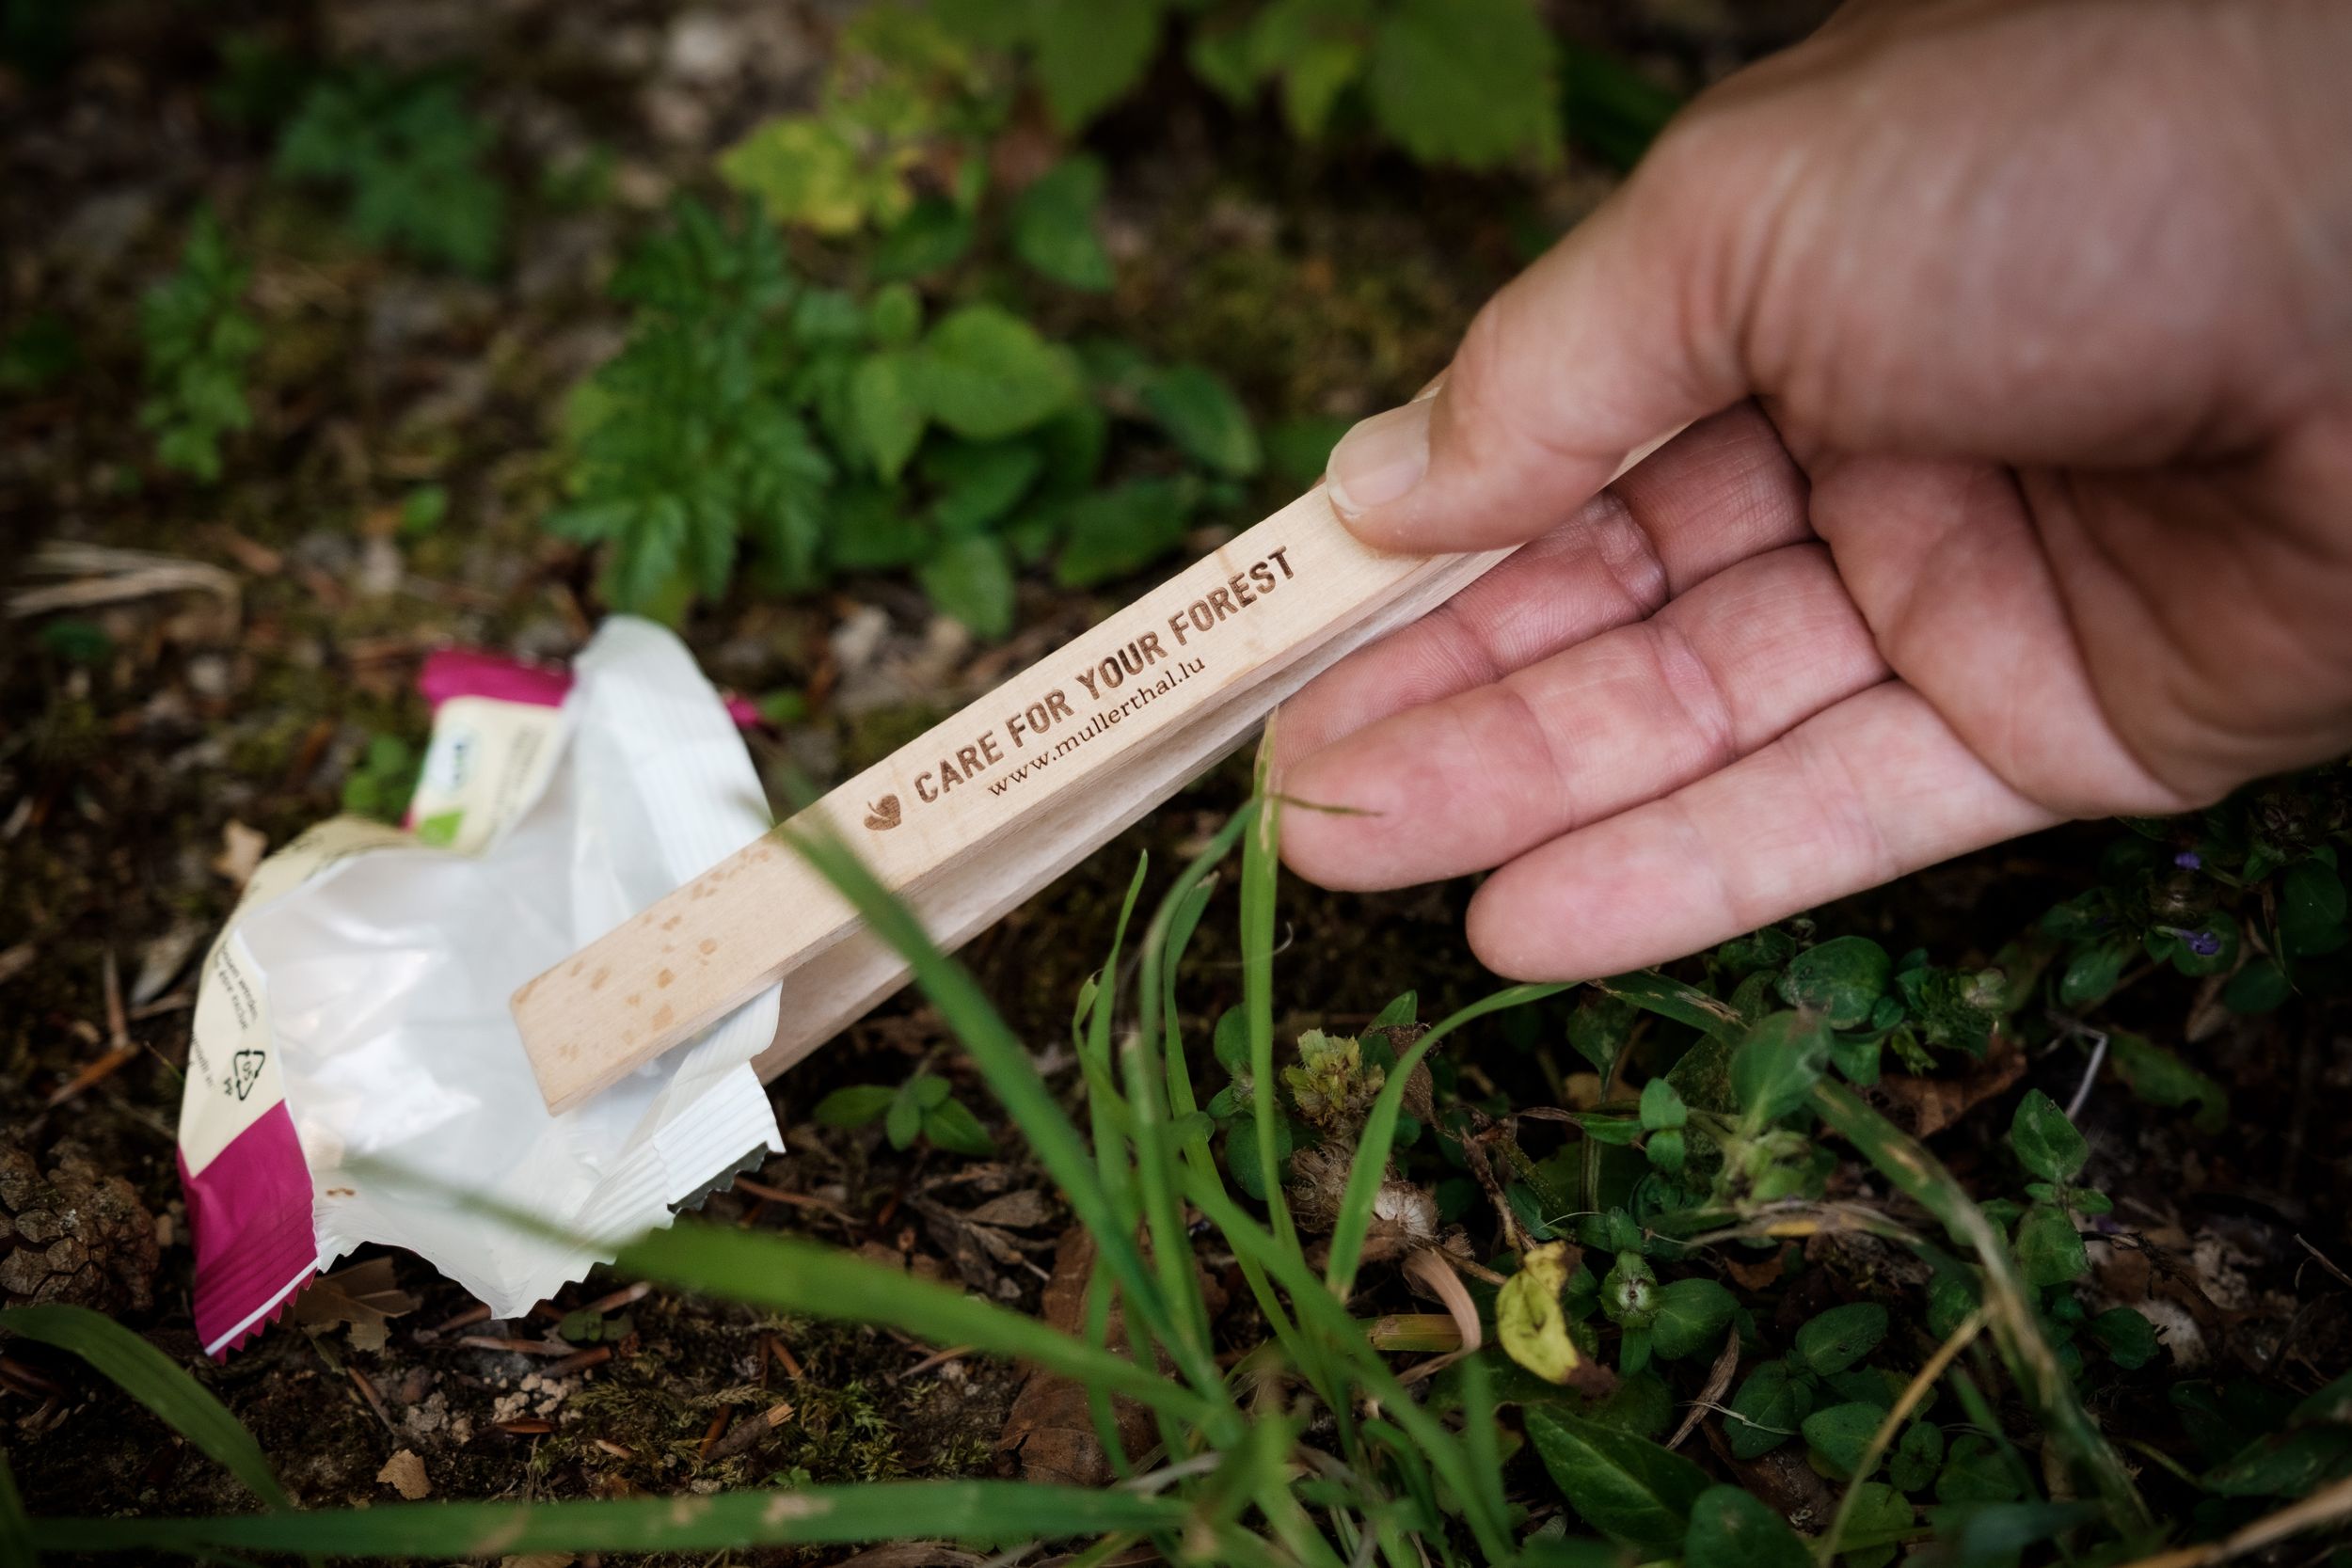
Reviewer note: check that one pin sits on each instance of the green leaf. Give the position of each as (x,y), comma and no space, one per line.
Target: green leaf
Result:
(971,579)
(2129,1338)
(979,483)
(932,237)
(1241,1154)
(1668,998)
(1767,1411)
(1692,1316)
(1879,1513)
(1661,1106)
(2046,1142)
(1840,1434)
(1528,1316)
(1625,1485)
(853,1106)
(1090,53)
(2286,1465)
(886,408)
(1467,82)
(903,1118)
(1842,979)
(807,170)
(1918,1457)
(1612,108)
(1053,225)
(894,315)
(1232,1041)
(1204,418)
(1975,1473)
(1299,450)
(950,1126)
(1840,1337)
(2261,987)
(2049,1251)
(1121,530)
(2092,972)
(2311,908)
(1734,1528)
(157,1381)
(2161,1078)
(1775,1068)
(986,374)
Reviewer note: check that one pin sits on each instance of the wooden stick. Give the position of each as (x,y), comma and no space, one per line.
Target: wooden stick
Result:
(988,807)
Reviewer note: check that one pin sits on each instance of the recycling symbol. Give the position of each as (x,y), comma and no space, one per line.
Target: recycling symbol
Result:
(245,1068)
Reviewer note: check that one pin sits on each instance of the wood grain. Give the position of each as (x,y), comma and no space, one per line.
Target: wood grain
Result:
(988,807)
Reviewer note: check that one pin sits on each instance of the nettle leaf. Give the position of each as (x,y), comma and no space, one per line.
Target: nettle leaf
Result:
(1053,225)
(886,409)
(2049,1251)
(951,1127)
(1204,418)
(1692,1316)
(1092,53)
(1529,1319)
(1625,1485)
(971,578)
(1837,1339)
(1775,1068)
(1731,1528)
(2047,1143)
(1469,82)
(1768,1410)
(1842,979)
(1123,529)
(986,375)
(1839,1434)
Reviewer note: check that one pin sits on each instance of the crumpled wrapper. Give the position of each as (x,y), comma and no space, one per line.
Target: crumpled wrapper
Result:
(353,1011)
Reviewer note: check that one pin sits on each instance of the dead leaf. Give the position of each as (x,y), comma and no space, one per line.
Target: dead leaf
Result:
(405,1474)
(1021,1211)
(241,851)
(364,1295)
(1050,1423)
(1925,1107)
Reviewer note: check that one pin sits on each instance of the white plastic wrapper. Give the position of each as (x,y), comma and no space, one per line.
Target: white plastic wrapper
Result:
(355,1005)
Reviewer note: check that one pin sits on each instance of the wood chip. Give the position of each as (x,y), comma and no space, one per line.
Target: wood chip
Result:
(405,1474)
(241,851)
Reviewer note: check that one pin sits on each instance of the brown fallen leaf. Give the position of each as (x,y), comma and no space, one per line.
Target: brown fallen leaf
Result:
(364,1295)
(241,851)
(405,1474)
(1925,1107)
(1050,1425)
(1021,1211)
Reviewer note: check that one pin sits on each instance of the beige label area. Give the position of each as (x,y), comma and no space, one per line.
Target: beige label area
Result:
(233,1075)
(487,761)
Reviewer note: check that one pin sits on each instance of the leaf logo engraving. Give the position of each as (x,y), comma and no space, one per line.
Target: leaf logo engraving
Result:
(883,814)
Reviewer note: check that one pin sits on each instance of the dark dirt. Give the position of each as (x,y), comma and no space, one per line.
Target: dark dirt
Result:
(1325,282)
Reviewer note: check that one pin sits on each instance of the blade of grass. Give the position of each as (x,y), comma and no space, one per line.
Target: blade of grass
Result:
(1825,1551)
(1018,1086)
(1106,1111)
(1260,863)
(1322,1312)
(786,1273)
(157,1381)
(987,1510)
(16,1531)
(2047,1391)
(1379,1136)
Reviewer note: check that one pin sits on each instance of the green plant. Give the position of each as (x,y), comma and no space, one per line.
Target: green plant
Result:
(198,340)
(382,781)
(923,1106)
(835,433)
(410,159)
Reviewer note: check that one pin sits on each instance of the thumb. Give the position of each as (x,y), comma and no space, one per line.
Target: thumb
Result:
(1611,341)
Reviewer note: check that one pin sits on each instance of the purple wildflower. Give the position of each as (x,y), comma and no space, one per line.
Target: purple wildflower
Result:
(2203,943)
(2189,860)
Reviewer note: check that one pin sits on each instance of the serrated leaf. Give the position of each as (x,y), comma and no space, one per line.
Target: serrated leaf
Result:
(1625,1485)
(1054,225)
(986,374)
(1469,82)
(1117,532)
(932,237)
(1842,979)
(978,483)
(2047,1143)
(1204,418)
(971,579)
(1091,52)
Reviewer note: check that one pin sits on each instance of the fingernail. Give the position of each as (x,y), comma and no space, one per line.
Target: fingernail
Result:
(1380,460)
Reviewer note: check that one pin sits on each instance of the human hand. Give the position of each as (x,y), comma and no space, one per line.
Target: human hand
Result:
(2019,339)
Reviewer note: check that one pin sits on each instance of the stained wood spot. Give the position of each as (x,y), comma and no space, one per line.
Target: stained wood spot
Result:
(596,982)
(708,944)
(661,982)
(661,1020)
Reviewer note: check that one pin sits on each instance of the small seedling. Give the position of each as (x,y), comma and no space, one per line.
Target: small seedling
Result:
(198,341)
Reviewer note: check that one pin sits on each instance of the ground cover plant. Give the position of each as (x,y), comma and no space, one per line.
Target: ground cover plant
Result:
(1995,1217)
